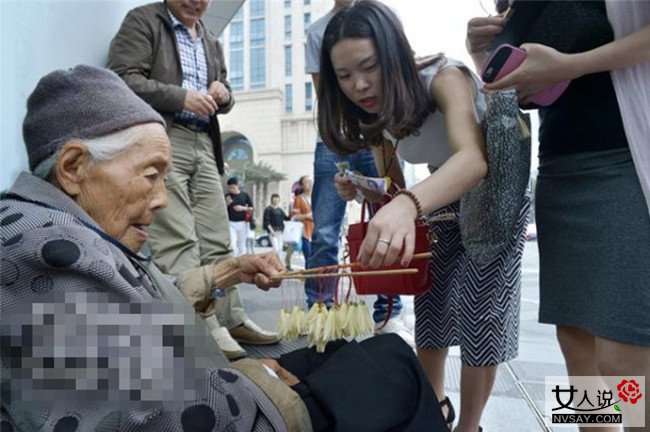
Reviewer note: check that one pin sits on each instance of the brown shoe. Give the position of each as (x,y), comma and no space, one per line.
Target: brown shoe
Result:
(250,333)
(228,345)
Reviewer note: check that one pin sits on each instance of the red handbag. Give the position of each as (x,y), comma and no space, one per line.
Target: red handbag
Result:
(407,284)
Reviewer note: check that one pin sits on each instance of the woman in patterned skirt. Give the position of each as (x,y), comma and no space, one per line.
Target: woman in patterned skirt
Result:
(372,94)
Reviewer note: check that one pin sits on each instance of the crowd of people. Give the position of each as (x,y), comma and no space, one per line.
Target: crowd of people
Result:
(120,307)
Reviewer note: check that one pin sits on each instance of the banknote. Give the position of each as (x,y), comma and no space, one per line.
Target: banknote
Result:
(374,184)
(342,167)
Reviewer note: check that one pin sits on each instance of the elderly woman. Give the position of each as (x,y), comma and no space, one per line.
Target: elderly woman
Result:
(94,337)
(99,155)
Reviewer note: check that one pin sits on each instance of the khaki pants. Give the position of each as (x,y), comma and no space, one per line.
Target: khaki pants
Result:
(193,229)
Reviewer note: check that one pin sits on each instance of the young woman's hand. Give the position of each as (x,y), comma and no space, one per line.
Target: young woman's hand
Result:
(348,191)
(344,187)
(543,67)
(391,233)
(480,34)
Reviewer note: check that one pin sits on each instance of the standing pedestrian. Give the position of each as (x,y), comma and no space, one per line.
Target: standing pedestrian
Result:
(372,95)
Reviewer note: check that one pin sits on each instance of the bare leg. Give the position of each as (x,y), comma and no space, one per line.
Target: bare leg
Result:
(475,386)
(616,359)
(579,350)
(433,363)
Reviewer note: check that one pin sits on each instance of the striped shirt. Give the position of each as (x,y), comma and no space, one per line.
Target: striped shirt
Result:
(193,64)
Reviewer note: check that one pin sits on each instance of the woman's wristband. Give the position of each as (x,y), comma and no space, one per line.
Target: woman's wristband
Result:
(414,199)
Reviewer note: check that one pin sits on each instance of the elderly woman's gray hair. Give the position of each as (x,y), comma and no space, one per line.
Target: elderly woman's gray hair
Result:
(84,103)
(100,149)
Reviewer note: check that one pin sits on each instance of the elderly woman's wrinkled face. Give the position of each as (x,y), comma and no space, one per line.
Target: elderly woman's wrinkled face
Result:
(124,193)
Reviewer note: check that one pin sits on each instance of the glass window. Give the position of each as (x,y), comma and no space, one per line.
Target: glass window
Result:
(257,31)
(288,99)
(258,68)
(307,18)
(287,4)
(287,26)
(287,61)
(307,2)
(236,35)
(236,69)
(257,8)
(309,103)
(240,13)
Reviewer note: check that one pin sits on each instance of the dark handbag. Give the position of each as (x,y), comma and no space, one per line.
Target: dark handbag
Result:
(408,284)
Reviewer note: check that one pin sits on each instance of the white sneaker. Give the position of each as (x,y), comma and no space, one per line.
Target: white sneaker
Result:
(251,325)
(250,333)
(228,345)
(396,325)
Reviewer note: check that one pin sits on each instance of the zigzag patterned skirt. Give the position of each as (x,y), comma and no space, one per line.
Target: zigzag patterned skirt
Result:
(471,306)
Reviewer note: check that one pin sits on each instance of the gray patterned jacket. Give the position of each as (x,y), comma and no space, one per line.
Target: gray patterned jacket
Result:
(92,339)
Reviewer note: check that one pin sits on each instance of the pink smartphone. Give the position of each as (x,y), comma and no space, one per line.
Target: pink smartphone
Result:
(506,59)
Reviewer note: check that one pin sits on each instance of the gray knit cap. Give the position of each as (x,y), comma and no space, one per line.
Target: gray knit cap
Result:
(82,102)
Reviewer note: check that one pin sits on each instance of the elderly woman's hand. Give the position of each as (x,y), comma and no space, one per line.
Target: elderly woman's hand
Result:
(284,375)
(255,269)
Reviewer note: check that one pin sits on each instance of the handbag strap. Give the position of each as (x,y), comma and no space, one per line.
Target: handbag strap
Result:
(364,226)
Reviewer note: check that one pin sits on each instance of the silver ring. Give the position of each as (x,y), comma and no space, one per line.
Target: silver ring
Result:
(384,241)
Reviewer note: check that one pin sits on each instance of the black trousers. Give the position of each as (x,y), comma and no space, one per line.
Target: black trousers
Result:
(375,385)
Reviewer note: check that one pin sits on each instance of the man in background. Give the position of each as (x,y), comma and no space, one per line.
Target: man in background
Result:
(166,56)
(273,224)
(240,213)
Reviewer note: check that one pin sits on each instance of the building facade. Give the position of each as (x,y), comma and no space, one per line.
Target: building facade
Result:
(273,120)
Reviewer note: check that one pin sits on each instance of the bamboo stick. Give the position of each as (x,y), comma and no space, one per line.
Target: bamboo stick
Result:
(419,256)
(329,275)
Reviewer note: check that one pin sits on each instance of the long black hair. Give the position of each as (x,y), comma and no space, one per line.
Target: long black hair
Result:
(346,128)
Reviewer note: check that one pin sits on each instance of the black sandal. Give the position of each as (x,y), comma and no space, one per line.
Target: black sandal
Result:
(451,413)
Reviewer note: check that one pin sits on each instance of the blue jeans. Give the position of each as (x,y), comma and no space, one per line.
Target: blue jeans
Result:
(306,248)
(328,210)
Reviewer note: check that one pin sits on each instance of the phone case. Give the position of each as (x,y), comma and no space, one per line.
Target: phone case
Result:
(515,57)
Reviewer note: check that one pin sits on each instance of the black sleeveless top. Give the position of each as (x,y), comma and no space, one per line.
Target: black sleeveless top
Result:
(586,117)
